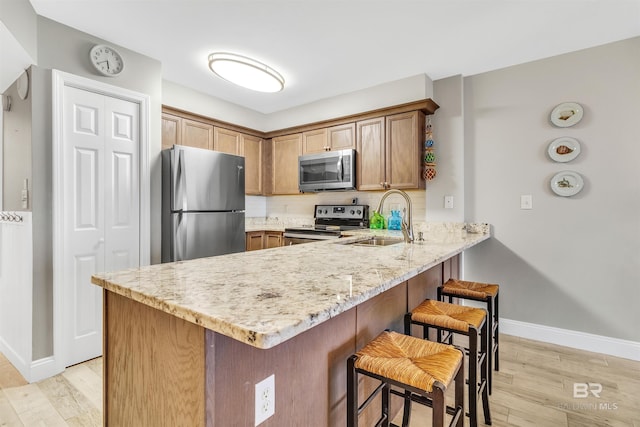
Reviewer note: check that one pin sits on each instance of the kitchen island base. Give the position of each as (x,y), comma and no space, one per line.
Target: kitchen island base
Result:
(164,371)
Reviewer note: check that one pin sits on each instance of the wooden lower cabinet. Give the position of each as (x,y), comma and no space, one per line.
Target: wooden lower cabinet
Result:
(163,371)
(273,239)
(256,240)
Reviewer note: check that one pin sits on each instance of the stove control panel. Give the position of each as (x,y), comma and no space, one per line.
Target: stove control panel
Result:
(357,212)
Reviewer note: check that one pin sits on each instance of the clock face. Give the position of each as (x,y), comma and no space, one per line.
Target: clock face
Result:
(106,60)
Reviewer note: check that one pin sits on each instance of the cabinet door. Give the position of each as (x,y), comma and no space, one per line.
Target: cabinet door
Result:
(252,152)
(273,239)
(197,134)
(171,130)
(404,133)
(370,160)
(285,151)
(255,240)
(226,141)
(315,141)
(342,137)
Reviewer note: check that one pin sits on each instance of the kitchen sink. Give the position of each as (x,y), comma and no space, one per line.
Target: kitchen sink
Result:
(379,241)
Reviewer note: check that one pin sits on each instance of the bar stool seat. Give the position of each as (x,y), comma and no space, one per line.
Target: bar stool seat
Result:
(489,294)
(423,369)
(468,321)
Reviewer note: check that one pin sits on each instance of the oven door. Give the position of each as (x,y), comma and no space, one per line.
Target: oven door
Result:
(333,170)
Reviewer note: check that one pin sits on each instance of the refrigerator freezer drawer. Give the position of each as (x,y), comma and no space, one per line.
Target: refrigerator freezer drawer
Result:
(202,234)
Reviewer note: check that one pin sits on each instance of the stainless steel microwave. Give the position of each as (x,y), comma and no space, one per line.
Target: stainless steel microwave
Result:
(328,171)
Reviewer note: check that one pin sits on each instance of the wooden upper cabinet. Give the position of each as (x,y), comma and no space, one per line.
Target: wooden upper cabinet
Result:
(197,134)
(227,141)
(404,140)
(315,141)
(285,151)
(370,158)
(340,137)
(251,147)
(171,130)
(390,152)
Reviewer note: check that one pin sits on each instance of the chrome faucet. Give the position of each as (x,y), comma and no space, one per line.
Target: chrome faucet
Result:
(407,224)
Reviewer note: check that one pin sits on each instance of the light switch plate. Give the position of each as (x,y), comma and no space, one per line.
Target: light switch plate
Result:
(448,202)
(526,201)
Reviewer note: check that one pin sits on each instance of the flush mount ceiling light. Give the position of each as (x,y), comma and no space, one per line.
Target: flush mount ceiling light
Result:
(246,72)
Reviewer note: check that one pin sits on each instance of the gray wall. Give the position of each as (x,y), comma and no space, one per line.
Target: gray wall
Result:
(570,262)
(27,150)
(42,213)
(63,48)
(16,150)
(21,20)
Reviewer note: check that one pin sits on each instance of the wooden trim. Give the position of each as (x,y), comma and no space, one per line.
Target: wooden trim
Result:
(211,121)
(427,106)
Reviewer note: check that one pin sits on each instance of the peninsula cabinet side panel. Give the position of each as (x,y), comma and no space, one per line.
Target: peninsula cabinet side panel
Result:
(154,366)
(310,377)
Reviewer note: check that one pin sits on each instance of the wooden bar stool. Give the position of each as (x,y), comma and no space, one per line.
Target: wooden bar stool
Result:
(423,369)
(484,292)
(468,321)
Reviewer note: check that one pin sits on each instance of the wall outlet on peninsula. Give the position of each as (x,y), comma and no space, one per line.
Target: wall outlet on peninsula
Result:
(265,399)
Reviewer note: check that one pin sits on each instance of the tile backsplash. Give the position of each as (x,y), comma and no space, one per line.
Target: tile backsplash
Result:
(302,205)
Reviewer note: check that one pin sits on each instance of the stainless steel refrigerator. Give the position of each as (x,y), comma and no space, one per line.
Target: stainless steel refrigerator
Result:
(202,203)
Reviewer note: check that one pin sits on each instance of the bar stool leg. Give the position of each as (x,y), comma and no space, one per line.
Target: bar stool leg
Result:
(459,394)
(496,334)
(385,404)
(352,394)
(439,408)
(485,339)
(473,377)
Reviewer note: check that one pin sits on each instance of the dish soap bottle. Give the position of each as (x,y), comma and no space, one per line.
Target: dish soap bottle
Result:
(376,221)
(395,221)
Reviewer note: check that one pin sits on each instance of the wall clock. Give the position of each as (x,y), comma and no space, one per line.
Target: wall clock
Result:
(106,60)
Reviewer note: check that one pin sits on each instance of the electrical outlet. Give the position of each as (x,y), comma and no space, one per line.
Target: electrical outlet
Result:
(265,399)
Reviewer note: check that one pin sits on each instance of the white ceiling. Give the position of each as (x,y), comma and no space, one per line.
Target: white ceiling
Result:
(330,47)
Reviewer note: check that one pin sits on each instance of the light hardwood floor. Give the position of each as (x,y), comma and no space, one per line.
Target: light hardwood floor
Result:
(534,387)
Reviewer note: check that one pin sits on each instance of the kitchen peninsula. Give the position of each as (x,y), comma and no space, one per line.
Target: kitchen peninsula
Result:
(185,343)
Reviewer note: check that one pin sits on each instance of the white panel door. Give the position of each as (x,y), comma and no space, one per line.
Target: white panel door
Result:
(101,209)
(122,185)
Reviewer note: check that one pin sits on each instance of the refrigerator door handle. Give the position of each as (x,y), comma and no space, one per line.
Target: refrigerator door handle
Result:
(180,244)
(179,180)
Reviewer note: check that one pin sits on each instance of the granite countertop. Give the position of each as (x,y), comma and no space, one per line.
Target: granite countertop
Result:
(263,298)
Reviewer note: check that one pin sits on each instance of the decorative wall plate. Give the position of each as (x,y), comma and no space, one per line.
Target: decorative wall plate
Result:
(567,183)
(23,85)
(564,149)
(566,114)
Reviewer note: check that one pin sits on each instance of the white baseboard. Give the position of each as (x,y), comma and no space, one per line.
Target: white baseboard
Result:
(18,361)
(43,368)
(574,339)
(30,371)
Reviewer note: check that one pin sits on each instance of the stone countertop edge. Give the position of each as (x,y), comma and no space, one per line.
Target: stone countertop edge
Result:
(263,298)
